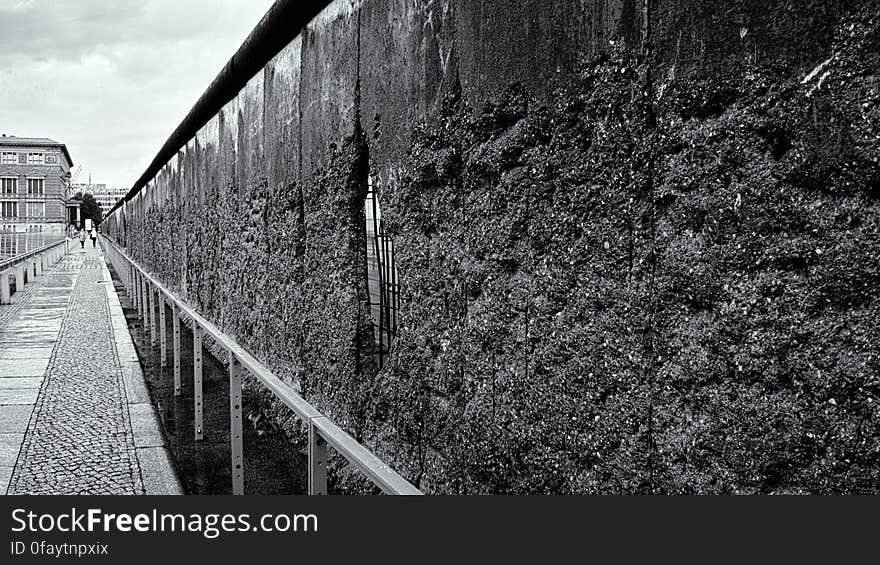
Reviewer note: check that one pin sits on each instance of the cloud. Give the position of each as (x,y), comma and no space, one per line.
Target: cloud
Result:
(113,79)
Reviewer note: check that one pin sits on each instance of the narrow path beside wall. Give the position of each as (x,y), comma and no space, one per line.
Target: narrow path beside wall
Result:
(74,414)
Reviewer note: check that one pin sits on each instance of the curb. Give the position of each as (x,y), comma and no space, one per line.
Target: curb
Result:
(154,459)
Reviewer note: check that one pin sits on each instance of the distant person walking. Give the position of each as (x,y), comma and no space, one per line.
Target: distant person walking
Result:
(94,235)
(82,239)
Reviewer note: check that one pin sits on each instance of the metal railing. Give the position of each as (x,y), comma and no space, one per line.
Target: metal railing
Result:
(148,293)
(30,265)
(12,261)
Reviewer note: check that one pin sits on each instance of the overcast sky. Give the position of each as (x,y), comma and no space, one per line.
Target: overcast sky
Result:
(113,78)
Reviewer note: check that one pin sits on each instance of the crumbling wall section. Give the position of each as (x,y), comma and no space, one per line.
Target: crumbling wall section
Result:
(637,241)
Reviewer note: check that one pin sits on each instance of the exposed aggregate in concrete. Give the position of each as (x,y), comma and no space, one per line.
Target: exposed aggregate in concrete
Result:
(655,277)
(600,300)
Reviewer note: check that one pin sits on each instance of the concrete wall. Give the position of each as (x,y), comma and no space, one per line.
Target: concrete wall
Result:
(617,271)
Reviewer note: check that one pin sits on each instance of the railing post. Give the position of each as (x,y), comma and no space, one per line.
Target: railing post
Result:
(317,461)
(19,279)
(151,302)
(142,297)
(235,425)
(176,315)
(145,306)
(197,380)
(163,337)
(132,287)
(148,305)
(5,291)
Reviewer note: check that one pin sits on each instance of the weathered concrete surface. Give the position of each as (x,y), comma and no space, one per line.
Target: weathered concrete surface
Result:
(155,463)
(10,444)
(17,396)
(631,259)
(26,367)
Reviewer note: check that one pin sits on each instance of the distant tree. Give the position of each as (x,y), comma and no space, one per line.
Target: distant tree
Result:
(90,208)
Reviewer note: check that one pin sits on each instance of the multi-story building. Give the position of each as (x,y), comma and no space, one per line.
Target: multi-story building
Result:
(106,197)
(34,182)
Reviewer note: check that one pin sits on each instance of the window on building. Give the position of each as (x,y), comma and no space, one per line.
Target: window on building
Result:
(22,158)
(36,209)
(35,159)
(9,158)
(9,186)
(36,187)
(51,159)
(8,209)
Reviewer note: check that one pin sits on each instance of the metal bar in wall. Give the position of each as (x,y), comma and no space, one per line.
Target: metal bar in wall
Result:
(386,311)
(395,288)
(377,242)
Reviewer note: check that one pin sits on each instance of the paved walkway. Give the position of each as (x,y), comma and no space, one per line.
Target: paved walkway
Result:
(75,417)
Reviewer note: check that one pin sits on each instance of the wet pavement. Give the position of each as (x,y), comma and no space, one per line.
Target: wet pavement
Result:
(68,422)
(29,329)
(78,417)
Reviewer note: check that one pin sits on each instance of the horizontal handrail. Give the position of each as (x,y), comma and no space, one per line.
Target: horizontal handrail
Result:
(383,476)
(6,263)
(378,471)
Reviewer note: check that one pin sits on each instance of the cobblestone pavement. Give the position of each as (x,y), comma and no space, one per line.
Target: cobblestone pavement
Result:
(79,438)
